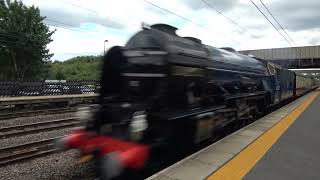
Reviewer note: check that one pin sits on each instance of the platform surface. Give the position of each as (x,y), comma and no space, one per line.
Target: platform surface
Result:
(296,155)
(238,155)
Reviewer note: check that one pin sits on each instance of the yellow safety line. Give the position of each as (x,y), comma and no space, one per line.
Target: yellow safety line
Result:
(242,163)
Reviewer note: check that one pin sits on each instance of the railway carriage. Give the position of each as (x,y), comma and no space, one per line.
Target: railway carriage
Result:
(303,84)
(162,92)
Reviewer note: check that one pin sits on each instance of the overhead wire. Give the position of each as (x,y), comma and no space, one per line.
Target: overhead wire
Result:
(226,17)
(271,22)
(56,24)
(76,5)
(281,27)
(277,21)
(84,8)
(59,23)
(184,18)
(166,10)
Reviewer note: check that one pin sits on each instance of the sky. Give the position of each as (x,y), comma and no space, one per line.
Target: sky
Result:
(82,26)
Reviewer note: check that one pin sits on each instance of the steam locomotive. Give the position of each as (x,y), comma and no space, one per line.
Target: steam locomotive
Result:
(163,91)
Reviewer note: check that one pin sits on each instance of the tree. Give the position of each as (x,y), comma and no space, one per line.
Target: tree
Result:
(77,68)
(60,75)
(23,41)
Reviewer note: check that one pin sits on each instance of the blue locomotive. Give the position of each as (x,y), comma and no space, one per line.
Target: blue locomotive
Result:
(163,91)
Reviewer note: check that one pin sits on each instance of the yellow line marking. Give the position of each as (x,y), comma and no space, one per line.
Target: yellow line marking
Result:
(241,164)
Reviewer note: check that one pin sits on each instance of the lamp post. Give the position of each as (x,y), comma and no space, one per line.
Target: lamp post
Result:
(104,46)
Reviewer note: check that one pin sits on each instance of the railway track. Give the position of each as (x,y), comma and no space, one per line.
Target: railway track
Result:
(30,128)
(5,116)
(18,153)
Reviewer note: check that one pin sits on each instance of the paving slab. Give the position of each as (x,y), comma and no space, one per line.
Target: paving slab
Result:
(296,154)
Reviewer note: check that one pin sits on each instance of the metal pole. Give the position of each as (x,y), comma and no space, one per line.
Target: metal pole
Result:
(104,46)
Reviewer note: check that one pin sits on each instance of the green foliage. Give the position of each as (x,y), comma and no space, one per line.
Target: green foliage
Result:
(77,68)
(23,42)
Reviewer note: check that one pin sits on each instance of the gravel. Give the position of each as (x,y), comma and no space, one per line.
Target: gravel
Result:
(63,165)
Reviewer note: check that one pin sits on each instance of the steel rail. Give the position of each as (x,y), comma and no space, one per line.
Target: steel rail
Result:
(10,131)
(6,116)
(21,152)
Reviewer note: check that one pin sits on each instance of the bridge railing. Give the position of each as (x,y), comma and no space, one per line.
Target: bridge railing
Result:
(48,87)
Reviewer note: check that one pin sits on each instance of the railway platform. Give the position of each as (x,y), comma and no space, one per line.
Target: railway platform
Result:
(282,145)
(71,99)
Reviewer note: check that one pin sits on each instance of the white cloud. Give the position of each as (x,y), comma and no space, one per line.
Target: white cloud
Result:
(116,20)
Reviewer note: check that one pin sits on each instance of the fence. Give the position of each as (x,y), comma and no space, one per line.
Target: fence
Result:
(48,87)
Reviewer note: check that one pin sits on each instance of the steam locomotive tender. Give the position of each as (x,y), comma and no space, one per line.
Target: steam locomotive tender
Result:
(163,91)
